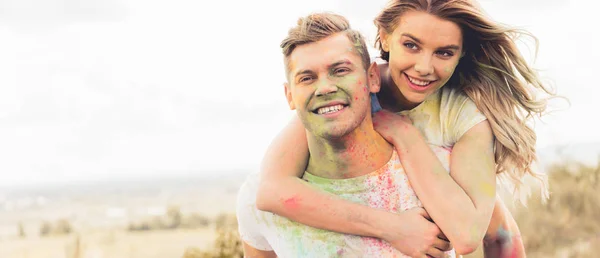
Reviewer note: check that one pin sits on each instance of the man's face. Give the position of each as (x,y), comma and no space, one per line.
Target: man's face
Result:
(329,88)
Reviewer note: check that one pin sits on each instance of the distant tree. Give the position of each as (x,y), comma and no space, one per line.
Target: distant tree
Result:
(194,252)
(21,229)
(195,220)
(63,227)
(227,243)
(173,217)
(45,228)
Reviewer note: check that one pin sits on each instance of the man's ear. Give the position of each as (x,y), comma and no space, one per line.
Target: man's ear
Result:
(374,78)
(288,96)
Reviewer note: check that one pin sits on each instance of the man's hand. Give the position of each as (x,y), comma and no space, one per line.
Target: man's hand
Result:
(413,234)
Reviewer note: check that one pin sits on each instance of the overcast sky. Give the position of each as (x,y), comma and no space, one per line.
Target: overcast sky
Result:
(97,89)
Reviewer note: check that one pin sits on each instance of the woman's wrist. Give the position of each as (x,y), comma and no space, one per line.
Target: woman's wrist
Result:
(377,225)
(405,137)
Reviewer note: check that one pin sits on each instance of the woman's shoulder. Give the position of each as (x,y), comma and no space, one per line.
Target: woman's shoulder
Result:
(455,96)
(458,112)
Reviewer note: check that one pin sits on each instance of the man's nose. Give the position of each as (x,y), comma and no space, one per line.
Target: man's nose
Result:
(325,87)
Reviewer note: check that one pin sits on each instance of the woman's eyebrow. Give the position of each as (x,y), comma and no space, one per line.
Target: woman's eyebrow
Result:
(451,46)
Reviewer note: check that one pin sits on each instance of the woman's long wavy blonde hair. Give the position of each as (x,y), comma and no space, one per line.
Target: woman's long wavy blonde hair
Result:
(494,75)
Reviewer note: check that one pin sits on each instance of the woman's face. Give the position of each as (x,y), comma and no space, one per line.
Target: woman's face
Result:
(424,51)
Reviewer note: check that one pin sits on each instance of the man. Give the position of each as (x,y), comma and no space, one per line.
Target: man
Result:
(330,79)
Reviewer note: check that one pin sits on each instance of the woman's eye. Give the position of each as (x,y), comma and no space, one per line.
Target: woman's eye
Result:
(410,45)
(445,53)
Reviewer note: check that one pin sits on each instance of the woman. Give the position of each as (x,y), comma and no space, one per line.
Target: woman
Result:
(461,80)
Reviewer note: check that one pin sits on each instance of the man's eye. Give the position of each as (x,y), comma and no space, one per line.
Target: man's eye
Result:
(305,79)
(341,70)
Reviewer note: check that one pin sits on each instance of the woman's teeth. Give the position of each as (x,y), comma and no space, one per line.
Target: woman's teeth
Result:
(418,82)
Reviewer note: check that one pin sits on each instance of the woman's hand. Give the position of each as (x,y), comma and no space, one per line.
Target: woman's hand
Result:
(412,233)
(394,128)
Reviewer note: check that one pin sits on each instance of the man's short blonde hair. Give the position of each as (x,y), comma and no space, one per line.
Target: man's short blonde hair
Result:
(318,26)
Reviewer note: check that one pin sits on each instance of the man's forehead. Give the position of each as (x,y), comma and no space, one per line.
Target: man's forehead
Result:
(322,54)
(319,63)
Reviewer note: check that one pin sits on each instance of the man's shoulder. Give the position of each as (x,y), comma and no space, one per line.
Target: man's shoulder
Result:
(249,217)
(248,190)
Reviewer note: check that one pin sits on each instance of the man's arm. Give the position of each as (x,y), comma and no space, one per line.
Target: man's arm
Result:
(251,252)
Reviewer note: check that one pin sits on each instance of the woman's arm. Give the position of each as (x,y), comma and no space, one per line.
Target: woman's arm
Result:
(503,238)
(282,192)
(460,203)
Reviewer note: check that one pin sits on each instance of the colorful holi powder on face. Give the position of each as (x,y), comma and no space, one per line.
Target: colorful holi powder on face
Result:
(291,203)
(447,69)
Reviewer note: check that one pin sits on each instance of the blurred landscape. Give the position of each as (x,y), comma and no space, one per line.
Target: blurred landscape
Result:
(161,217)
(193,217)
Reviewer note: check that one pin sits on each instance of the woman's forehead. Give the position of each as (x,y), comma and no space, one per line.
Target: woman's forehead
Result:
(428,29)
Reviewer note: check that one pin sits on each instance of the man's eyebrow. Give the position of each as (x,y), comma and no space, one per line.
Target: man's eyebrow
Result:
(301,72)
(337,63)
(451,46)
(341,62)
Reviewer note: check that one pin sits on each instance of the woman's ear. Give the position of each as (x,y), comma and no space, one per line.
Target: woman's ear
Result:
(383,40)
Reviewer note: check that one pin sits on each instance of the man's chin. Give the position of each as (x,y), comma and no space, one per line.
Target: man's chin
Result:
(332,134)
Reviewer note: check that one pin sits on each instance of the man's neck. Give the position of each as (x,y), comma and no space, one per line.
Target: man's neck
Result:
(358,153)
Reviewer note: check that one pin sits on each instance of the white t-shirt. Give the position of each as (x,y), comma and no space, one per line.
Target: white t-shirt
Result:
(442,119)
(386,188)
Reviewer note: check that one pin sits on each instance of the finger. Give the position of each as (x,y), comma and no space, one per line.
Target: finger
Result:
(434,252)
(424,213)
(442,244)
(442,236)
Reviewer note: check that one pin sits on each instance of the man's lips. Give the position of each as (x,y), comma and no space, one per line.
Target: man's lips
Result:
(330,107)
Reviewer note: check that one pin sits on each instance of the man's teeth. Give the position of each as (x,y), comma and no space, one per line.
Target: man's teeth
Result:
(330,109)
(417,82)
